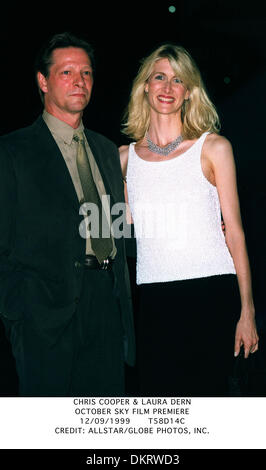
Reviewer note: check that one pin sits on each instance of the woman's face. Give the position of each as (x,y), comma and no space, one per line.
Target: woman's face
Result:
(165,91)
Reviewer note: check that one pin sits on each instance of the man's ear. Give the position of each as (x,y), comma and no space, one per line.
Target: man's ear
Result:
(42,82)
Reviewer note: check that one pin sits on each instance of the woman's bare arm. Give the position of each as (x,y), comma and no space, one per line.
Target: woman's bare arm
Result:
(123,151)
(218,152)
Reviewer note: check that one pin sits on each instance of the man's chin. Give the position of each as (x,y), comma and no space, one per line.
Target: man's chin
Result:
(76,109)
(78,105)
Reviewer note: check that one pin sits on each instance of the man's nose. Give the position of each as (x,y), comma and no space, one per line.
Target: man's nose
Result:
(78,79)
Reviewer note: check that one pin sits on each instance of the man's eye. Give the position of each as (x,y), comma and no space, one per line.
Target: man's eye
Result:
(66,72)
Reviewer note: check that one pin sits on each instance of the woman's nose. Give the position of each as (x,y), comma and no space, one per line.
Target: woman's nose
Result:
(167,85)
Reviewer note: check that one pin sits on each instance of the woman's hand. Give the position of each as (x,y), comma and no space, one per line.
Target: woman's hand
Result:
(246,334)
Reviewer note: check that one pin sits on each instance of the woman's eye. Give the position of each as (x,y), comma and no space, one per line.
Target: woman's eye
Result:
(159,77)
(177,80)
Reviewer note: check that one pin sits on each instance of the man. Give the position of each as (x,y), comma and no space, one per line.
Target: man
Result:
(64,298)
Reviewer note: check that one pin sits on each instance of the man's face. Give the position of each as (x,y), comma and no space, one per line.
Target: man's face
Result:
(67,89)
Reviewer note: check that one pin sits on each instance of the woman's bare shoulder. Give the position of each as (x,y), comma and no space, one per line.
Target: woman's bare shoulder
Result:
(217,148)
(123,151)
(217,142)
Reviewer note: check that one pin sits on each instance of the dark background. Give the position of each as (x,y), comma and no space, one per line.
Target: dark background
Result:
(226,38)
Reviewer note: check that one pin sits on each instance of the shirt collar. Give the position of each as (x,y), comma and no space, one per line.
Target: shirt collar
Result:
(60,128)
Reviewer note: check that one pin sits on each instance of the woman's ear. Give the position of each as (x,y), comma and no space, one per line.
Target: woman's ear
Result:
(187,95)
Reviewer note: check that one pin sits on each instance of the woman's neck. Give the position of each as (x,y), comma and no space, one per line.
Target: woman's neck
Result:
(164,129)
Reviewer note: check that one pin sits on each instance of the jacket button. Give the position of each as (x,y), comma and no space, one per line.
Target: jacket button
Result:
(77,264)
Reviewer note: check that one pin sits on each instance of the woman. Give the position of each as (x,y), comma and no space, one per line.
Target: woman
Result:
(180,178)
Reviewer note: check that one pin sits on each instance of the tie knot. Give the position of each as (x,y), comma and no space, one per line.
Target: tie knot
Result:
(78,137)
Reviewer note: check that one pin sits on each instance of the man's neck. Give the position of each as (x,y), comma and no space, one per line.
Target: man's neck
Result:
(72,120)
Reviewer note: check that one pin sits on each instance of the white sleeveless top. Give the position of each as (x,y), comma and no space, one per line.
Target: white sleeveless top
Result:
(177,218)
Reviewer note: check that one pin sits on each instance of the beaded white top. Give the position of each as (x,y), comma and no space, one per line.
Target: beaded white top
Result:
(177,218)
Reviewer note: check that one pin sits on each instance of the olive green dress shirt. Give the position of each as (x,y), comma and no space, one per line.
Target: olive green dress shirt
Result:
(63,134)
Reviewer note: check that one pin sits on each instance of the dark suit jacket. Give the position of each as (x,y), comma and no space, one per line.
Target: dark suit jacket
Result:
(40,245)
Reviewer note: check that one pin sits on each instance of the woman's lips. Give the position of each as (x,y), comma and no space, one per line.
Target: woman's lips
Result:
(166,99)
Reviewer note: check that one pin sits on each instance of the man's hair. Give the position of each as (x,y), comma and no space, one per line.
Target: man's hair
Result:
(44,59)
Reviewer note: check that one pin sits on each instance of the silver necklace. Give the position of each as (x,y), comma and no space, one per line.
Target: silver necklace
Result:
(164,151)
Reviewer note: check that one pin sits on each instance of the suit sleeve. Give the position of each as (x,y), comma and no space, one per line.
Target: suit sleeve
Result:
(11,277)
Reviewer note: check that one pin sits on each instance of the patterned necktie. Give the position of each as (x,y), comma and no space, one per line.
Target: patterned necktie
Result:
(101,245)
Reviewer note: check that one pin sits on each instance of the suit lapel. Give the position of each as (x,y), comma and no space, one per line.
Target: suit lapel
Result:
(102,163)
(59,176)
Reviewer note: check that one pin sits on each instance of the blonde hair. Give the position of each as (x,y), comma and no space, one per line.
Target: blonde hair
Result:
(198,113)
